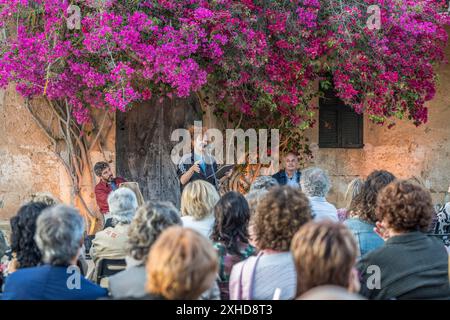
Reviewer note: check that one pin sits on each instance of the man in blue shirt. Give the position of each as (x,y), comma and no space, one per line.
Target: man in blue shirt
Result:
(59,237)
(290,175)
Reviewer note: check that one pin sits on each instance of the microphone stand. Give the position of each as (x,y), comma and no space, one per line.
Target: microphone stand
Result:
(208,153)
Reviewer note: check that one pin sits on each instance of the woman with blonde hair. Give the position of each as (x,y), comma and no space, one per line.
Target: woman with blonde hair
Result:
(197,204)
(353,190)
(182,264)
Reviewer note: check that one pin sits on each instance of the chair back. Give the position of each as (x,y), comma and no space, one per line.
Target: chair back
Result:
(109,267)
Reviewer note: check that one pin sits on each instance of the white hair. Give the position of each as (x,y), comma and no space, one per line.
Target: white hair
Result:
(315,182)
(122,205)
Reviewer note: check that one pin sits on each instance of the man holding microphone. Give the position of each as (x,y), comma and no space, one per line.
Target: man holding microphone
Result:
(198,164)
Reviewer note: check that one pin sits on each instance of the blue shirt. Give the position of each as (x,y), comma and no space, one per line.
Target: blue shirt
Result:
(365,237)
(49,283)
(293,180)
(113,186)
(202,163)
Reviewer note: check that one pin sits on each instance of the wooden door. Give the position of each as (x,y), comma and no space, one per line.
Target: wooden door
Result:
(143,145)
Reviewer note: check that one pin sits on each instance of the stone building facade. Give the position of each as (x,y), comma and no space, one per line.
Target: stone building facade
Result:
(28,165)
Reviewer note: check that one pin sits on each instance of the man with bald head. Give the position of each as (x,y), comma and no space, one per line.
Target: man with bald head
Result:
(290,175)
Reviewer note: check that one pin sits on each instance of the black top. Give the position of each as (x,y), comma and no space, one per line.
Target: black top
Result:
(411,266)
(187,161)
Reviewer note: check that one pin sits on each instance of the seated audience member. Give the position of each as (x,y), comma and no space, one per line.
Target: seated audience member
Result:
(182,264)
(230,236)
(263,183)
(411,265)
(258,189)
(50,200)
(353,189)
(290,175)
(150,221)
(112,242)
(316,184)
(277,218)
(59,236)
(197,204)
(362,217)
(24,249)
(325,254)
(330,293)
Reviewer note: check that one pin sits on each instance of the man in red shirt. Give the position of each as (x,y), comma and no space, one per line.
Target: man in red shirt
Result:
(106,185)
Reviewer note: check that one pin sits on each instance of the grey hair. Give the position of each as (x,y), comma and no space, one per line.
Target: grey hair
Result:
(122,205)
(263,183)
(59,234)
(315,182)
(150,221)
(253,198)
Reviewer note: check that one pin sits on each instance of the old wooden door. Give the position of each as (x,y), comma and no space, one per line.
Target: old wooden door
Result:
(143,145)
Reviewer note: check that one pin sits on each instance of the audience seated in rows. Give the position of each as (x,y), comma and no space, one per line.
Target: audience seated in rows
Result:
(277,242)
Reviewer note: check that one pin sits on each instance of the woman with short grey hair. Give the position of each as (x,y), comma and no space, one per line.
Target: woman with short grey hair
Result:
(59,236)
(149,222)
(315,183)
(122,205)
(112,242)
(263,183)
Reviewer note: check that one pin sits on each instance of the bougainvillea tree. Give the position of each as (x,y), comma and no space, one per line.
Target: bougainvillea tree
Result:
(249,53)
(256,62)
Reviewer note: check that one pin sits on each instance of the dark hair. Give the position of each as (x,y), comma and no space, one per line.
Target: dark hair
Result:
(278,216)
(364,204)
(232,215)
(99,167)
(405,207)
(23,229)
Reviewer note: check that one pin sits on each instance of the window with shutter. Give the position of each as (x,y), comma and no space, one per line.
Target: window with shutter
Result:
(339,125)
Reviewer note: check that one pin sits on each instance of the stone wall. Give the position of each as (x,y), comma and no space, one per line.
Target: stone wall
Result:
(28,163)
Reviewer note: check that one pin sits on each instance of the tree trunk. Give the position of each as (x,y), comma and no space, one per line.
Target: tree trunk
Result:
(143,145)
